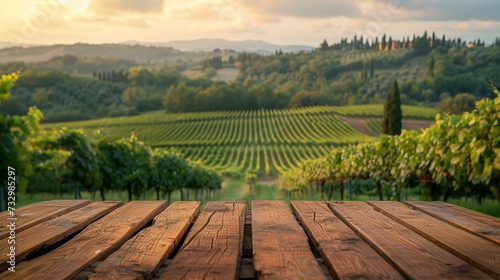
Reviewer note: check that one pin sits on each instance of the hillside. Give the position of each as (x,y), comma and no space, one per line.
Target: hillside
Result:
(115,51)
(449,76)
(254,46)
(268,142)
(140,51)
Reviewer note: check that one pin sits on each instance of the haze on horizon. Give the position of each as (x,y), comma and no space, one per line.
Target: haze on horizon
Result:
(280,22)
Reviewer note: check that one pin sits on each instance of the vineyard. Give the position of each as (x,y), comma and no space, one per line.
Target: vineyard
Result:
(457,156)
(264,142)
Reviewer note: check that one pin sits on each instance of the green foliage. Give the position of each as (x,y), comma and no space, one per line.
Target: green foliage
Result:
(14,132)
(69,158)
(458,155)
(460,103)
(392,123)
(234,142)
(6,82)
(80,166)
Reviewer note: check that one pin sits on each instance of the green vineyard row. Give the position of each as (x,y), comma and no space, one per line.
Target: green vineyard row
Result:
(458,155)
(267,142)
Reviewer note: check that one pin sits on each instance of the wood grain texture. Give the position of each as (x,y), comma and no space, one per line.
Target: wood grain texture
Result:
(280,245)
(482,225)
(96,242)
(473,249)
(213,247)
(141,256)
(346,255)
(413,255)
(33,214)
(52,231)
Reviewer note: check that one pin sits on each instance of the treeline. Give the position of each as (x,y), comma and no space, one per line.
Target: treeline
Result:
(331,75)
(341,76)
(119,76)
(458,156)
(421,44)
(71,64)
(67,161)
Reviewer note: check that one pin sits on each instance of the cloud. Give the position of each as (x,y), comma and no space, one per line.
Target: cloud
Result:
(400,10)
(129,21)
(205,10)
(449,10)
(219,16)
(116,7)
(322,25)
(300,8)
(239,25)
(478,25)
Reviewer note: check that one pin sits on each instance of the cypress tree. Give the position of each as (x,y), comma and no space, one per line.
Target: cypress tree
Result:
(392,123)
(364,74)
(324,45)
(431,66)
(372,67)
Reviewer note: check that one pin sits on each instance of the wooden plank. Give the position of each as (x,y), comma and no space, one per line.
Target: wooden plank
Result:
(96,242)
(473,249)
(480,224)
(213,247)
(33,214)
(141,256)
(346,255)
(50,232)
(280,246)
(413,255)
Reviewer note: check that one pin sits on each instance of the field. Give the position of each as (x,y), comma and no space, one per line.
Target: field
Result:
(267,142)
(238,190)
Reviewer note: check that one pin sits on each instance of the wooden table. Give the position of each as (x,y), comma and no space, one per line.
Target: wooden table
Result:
(66,239)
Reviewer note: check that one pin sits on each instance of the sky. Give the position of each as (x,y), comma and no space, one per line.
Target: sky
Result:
(304,22)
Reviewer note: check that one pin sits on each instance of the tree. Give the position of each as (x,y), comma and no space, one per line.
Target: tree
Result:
(462,102)
(14,130)
(251,180)
(392,112)
(364,73)
(372,67)
(431,66)
(324,46)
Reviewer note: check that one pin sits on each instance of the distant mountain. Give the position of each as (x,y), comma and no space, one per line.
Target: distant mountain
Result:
(4,45)
(208,45)
(136,53)
(140,51)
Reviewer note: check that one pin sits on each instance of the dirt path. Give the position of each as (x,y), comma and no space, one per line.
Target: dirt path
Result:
(417,124)
(268,180)
(357,123)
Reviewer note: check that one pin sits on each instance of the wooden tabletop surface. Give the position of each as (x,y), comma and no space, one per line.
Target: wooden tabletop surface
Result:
(76,239)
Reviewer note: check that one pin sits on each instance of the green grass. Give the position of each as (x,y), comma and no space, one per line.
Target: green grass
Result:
(234,190)
(489,206)
(155,112)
